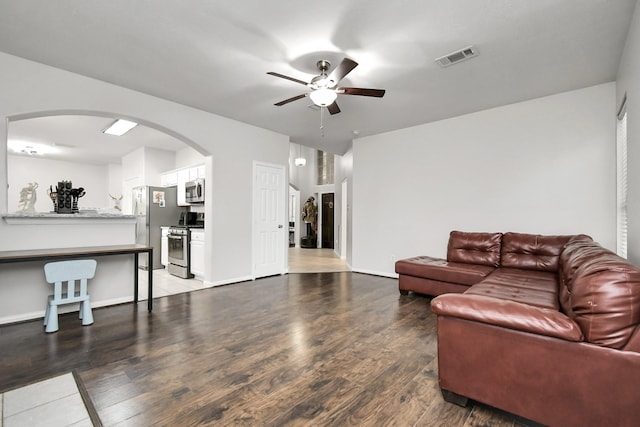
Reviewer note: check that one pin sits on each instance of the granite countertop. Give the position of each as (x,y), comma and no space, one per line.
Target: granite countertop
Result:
(50,217)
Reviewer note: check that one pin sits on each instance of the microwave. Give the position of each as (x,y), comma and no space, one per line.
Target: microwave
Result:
(194,191)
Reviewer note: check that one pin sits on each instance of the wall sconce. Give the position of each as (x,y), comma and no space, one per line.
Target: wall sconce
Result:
(300,161)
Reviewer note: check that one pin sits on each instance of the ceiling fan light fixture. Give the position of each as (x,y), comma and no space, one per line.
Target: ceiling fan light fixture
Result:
(323,97)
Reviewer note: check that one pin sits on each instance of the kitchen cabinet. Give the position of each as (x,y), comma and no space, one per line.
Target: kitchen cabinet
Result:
(193,174)
(197,253)
(169,179)
(164,246)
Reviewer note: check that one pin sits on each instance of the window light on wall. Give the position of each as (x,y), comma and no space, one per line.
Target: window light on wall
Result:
(621,184)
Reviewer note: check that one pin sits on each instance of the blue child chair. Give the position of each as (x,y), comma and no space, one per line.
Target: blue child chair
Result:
(69,279)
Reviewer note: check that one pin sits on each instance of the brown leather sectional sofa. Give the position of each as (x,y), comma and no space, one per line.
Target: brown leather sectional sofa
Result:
(545,327)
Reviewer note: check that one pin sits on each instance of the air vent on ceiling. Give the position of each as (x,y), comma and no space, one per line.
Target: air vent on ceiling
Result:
(457,56)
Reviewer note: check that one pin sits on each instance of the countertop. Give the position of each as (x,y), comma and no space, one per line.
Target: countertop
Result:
(53,218)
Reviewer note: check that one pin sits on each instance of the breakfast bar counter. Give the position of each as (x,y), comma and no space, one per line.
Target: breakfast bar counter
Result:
(30,239)
(88,252)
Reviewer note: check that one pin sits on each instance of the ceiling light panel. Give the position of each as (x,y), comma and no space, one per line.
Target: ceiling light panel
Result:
(120,127)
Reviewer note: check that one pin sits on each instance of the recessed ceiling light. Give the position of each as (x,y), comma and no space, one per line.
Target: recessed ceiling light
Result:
(29,147)
(120,127)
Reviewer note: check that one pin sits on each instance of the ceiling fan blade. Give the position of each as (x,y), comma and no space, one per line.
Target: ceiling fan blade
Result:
(342,70)
(282,76)
(295,98)
(333,108)
(379,93)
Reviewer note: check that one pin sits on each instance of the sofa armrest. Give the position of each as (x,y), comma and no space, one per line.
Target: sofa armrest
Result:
(508,314)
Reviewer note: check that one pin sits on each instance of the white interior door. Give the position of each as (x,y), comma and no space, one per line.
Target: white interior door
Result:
(269,219)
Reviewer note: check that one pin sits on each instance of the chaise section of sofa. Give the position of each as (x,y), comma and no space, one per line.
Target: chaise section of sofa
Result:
(471,257)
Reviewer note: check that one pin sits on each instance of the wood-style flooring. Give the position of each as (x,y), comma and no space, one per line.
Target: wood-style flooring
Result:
(325,349)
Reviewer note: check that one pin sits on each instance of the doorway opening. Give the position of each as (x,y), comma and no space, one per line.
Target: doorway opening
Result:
(317,239)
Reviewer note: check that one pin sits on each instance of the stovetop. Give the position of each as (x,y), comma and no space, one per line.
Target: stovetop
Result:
(185,227)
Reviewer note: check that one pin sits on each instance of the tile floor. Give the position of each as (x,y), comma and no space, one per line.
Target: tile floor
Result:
(166,284)
(53,402)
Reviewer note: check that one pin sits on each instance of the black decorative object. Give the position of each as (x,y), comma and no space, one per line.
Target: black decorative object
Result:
(65,198)
(53,195)
(76,193)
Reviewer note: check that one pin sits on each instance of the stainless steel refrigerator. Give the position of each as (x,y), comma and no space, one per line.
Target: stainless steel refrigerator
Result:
(154,207)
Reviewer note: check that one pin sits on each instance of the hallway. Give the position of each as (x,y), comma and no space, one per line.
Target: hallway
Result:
(315,261)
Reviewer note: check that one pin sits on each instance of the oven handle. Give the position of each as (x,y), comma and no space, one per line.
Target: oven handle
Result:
(176,236)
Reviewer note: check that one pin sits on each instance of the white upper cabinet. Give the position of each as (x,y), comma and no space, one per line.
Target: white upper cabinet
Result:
(169,179)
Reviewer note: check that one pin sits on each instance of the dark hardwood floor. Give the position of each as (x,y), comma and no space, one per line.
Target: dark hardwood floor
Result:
(332,349)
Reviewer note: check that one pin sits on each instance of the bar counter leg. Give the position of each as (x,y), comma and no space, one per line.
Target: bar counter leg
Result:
(150,284)
(135,277)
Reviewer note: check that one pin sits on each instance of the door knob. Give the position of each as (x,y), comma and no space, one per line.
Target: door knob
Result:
(280,225)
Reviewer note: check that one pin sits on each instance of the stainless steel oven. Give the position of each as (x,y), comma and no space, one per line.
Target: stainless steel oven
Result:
(179,252)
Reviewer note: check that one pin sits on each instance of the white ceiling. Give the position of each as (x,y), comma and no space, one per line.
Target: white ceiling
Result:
(80,139)
(214,55)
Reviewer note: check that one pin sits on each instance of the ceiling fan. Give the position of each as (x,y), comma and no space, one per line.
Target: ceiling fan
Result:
(325,89)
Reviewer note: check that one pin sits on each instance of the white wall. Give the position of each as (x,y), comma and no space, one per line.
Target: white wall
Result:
(114,185)
(156,162)
(147,163)
(46,172)
(29,88)
(187,157)
(628,83)
(345,171)
(545,166)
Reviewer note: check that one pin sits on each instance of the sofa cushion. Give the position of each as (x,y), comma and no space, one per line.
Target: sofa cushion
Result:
(508,314)
(530,287)
(531,251)
(605,299)
(474,248)
(575,252)
(442,270)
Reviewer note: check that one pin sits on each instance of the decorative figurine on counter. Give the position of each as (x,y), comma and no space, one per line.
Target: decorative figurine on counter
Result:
(310,217)
(76,193)
(117,202)
(28,197)
(53,195)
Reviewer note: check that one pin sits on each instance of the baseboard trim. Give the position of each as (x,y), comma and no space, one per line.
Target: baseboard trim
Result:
(376,273)
(23,317)
(208,284)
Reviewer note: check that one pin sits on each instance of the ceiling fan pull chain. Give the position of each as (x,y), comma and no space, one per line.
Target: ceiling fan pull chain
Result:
(322,122)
